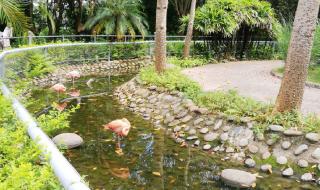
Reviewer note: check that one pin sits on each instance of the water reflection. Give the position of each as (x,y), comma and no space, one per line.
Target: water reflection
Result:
(151,160)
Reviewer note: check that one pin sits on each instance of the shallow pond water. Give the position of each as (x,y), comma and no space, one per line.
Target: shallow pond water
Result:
(151,159)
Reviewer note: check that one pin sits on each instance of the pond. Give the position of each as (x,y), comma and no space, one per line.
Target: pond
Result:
(151,159)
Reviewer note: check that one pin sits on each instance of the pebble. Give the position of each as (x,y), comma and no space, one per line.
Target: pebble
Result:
(230,150)
(266,155)
(174,123)
(301,149)
(313,137)
(303,163)
(292,132)
(276,128)
(271,142)
(226,128)
(266,168)
(192,132)
(260,137)
(307,177)
(238,178)
(286,145)
(253,148)
(186,119)
(192,138)
(282,160)
(177,129)
(250,163)
(209,123)
(210,136)
(218,124)
(316,153)
(243,142)
(196,143)
(198,121)
(206,147)
(181,114)
(224,137)
(287,172)
(204,130)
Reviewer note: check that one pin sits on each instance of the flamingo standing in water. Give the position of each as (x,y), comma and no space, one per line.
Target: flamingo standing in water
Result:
(59,88)
(73,75)
(121,128)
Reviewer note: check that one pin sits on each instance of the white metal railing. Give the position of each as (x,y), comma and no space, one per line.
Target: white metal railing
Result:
(66,173)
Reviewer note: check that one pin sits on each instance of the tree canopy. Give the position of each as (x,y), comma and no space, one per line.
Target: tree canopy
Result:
(227,16)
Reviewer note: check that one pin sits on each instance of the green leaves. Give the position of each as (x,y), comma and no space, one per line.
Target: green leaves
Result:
(119,17)
(21,166)
(11,14)
(227,16)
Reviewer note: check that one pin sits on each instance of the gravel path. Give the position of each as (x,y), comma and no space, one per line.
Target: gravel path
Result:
(251,79)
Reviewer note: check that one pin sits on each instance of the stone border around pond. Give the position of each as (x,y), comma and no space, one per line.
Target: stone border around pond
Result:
(198,127)
(104,67)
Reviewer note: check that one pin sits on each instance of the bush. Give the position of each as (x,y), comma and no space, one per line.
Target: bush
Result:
(37,65)
(21,166)
(185,63)
(171,79)
(283,35)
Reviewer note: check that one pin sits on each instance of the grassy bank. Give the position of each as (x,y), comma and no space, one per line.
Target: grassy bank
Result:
(229,103)
(313,73)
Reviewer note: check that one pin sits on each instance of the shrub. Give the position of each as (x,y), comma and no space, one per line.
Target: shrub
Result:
(21,166)
(185,63)
(283,35)
(172,79)
(37,65)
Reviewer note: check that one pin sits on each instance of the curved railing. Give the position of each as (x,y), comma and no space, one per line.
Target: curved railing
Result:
(62,54)
(97,48)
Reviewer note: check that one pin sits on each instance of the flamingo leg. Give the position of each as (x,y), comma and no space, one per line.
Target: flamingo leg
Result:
(118,146)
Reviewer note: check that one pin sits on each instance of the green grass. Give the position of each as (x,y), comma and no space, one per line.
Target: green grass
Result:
(229,103)
(190,62)
(313,73)
(21,163)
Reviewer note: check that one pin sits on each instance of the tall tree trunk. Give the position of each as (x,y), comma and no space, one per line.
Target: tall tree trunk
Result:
(299,54)
(187,42)
(160,38)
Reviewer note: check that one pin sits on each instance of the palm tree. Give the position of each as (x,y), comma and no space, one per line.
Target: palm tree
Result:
(299,53)
(47,15)
(11,14)
(160,38)
(119,17)
(187,43)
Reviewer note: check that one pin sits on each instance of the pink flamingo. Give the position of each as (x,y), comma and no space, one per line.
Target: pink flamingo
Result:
(59,88)
(121,128)
(73,75)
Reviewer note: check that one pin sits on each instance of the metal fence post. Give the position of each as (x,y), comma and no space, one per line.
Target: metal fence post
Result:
(30,38)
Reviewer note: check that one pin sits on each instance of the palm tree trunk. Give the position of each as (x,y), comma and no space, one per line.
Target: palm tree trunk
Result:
(160,38)
(299,53)
(187,42)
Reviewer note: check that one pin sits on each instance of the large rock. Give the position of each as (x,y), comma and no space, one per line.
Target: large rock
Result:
(238,178)
(313,137)
(301,149)
(276,128)
(70,140)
